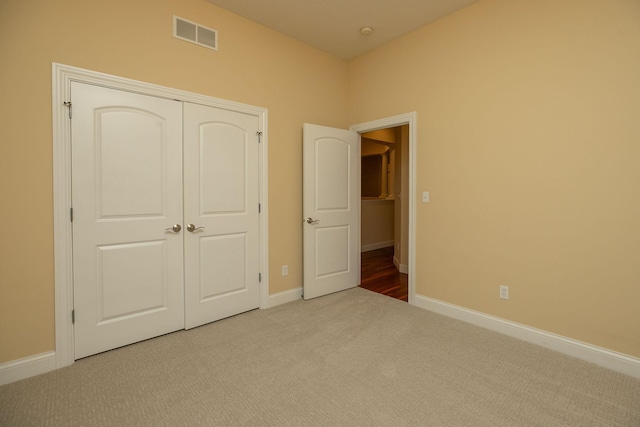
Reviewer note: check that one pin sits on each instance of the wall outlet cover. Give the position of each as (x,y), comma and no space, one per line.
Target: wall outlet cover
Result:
(504,292)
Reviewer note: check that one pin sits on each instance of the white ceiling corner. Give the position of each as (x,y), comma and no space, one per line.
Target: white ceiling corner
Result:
(334,25)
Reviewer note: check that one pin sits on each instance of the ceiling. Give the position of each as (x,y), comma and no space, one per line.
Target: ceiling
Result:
(334,25)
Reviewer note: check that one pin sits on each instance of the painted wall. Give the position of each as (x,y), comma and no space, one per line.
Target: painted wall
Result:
(528,137)
(376,223)
(529,143)
(401,214)
(133,39)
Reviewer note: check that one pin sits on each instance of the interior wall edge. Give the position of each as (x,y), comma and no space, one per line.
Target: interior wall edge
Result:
(284,297)
(26,367)
(606,358)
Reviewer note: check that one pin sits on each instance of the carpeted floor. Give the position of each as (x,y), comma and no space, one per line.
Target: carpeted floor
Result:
(354,358)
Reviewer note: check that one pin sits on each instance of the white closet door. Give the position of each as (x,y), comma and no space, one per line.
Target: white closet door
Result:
(127,198)
(220,213)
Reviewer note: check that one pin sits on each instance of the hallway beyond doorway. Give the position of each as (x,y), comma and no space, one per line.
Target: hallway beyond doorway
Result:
(381,276)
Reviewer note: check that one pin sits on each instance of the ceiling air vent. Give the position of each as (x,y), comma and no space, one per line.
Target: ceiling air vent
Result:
(195,33)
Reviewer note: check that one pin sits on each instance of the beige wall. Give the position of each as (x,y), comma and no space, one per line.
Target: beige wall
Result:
(401,227)
(376,223)
(133,39)
(529,143)
(528,137)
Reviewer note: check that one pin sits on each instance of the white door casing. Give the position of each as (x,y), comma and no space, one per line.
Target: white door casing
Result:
(127,192)
(63,77)
(331,210)
(221,213)
(409,119)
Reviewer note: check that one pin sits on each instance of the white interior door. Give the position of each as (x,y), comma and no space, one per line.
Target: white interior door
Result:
(331,209)
(127,197)
(221,213)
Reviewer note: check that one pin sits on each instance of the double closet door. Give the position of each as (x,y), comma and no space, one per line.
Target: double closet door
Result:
(165,216)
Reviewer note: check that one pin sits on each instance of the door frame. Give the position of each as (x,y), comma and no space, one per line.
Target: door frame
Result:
(389,122)
(62,77)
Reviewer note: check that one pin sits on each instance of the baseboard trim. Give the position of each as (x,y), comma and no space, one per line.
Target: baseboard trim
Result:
(402,268)
(374,246)
(609,359)
(41,363)
(284,297)
(20,369)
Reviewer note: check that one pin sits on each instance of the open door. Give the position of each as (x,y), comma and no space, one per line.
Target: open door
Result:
(331,210)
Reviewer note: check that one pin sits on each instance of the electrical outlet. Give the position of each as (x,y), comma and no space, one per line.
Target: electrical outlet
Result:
(285,270)
(504,292)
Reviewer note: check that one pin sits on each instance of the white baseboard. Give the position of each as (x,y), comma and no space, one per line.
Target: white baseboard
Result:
(600,356)
(284,297)
(374,246)
(27,367)
(40,363)
(402,268)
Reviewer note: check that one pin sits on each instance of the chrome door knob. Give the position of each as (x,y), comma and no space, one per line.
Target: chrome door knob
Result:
(176,228)
(191,228)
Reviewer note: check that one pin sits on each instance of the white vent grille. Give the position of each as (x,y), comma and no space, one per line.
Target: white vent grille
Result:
(195,33)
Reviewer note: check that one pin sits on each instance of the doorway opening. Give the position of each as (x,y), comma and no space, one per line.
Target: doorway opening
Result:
(384,211)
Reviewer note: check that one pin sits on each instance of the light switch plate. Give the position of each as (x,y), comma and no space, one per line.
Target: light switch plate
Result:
(425,197)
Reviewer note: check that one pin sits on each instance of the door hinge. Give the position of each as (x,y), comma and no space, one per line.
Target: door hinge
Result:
(73,316)
(259,136)
(68,104)
(71,214)
(259,208)
(259,277)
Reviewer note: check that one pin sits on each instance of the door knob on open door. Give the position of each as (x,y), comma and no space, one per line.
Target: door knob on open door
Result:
(312,221)
(191,228)
(176,228)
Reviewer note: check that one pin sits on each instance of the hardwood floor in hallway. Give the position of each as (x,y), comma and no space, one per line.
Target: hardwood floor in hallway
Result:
(381,276)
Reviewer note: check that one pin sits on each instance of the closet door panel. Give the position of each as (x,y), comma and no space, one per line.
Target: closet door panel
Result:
(127,197)
(221,210)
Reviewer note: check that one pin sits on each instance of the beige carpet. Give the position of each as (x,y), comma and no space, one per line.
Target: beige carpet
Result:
(354,358)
